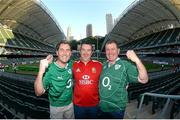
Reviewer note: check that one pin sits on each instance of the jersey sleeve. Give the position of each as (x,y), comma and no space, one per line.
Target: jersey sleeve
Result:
(132,72)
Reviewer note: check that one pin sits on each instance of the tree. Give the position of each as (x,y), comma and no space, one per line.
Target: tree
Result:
(74,44)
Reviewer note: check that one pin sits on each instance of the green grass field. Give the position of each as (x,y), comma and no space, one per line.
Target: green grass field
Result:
(32,69)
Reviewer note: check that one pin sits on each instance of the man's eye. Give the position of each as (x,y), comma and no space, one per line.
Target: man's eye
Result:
(61,49)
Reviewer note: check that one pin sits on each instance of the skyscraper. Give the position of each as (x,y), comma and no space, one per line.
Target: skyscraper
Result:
(89,30)
(109,22)
(115,21)
(69,37)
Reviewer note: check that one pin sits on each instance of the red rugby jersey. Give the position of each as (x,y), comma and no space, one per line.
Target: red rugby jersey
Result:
(86,79)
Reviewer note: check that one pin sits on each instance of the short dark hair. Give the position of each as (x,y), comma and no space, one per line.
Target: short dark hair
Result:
(86,42)
(112,41)
(62,42)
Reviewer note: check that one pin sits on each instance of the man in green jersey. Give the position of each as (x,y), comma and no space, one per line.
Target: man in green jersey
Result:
(56,78)
(115,76)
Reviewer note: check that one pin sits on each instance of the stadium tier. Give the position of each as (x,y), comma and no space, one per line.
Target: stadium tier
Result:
(18,44)
(168,39)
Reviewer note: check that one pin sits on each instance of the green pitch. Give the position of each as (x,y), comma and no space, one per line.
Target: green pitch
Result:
(32,69)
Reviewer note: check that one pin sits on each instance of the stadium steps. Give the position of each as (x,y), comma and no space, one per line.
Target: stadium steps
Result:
(153,109)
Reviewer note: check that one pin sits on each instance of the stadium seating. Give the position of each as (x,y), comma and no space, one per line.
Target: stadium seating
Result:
(19,98)
(17,43)
(167,38)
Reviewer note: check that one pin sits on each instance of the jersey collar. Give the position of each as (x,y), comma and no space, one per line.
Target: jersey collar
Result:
(84,63)
(108,64)
(60,66)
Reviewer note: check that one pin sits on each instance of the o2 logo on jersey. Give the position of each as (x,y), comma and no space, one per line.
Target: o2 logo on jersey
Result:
(69,83)
(106,83)
(85,77)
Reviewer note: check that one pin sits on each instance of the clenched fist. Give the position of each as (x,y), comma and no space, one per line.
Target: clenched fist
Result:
(131,55)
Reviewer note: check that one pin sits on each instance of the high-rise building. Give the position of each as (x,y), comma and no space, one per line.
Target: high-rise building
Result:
(89,30)
(69,36)
(109,22)
(115,21)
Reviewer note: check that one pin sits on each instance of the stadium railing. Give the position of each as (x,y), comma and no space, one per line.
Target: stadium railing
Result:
(169,98)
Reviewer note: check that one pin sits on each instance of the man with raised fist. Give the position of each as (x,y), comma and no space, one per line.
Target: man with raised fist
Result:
(115,76)
(56,79)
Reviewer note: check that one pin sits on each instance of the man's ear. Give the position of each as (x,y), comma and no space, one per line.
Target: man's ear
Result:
(92,52)
(71,53)
(118,51)
(57,53)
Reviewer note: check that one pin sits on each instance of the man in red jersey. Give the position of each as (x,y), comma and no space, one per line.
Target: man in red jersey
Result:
(86,73)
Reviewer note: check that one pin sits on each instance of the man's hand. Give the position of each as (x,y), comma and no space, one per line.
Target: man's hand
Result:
(49,58)
(44,63)
(131,55)
(142,73)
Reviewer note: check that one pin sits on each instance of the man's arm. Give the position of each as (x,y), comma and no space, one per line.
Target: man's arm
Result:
(142,73)
(38,84)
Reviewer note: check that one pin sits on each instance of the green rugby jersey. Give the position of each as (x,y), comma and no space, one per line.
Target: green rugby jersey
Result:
(58,82)
(113,82)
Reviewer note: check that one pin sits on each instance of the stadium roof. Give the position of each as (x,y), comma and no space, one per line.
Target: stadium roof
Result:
(144,17)
(31,18)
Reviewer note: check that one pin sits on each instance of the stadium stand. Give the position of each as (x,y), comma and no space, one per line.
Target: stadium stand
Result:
(18,97)
(156,40)
(150,27)
(22,34)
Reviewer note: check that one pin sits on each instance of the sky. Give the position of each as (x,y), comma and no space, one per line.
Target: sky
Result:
(78,13)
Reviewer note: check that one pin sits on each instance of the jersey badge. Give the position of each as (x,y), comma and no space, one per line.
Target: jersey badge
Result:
(117,66)
(78,70)
(69,71)
(93,70)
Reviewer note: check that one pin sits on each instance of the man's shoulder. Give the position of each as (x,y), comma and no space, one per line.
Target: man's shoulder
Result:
(126,62)
(51,65)
(96,62)
(76,62)
(70,63)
